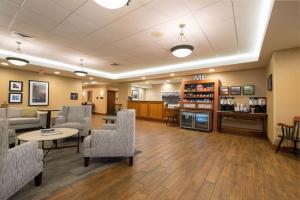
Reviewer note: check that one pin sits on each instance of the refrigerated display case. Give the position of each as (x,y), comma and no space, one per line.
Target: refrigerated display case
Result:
(199,120)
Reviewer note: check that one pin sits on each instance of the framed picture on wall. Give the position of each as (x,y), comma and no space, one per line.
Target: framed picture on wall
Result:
(74,96)
(235,90)
(38,93)
(135,94)
(248,89)
(15,86)
(170,97)
(15,98)
(224,90)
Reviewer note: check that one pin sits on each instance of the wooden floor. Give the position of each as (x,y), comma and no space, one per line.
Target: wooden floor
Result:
(183,164)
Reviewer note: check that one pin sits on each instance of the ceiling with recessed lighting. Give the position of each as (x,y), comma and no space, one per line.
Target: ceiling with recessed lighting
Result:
(138,37)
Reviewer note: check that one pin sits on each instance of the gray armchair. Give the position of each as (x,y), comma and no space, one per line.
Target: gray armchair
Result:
(112,141)
(19,165)
(78,117)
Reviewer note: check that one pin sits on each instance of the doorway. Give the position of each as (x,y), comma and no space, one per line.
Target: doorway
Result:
(90,96)
(111,98)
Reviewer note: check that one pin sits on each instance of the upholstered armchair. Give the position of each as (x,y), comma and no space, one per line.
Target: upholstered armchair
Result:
(18,165)
(78,117)
(113,141)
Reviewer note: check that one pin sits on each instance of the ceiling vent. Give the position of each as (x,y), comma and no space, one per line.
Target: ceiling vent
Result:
(115,64)
(22,35)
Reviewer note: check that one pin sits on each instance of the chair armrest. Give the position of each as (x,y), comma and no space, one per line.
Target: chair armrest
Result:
(26,153)
(103,138)
(87,123)
(59,119)
(109,127)
(43,118)
(87,142)
(282,124)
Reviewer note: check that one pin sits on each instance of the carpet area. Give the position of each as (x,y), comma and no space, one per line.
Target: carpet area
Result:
(63,167)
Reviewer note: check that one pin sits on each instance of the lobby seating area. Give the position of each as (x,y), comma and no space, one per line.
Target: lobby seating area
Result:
(149,99)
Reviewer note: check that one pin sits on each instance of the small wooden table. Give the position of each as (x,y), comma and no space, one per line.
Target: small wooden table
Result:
(48,125)
(111,119)
(37,136)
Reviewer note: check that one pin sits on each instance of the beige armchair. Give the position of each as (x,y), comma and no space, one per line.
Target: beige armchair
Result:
(19,165)
(113,141)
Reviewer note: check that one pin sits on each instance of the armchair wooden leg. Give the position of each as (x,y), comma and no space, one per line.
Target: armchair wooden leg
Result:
(38,179)
(12,145)
(86,161)
(130,161)
(279,144)
(81,138)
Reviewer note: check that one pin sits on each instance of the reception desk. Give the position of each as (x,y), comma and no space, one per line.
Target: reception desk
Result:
(151,110)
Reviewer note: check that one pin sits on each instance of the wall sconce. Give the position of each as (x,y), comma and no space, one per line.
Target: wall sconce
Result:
(101,94)
(83,94)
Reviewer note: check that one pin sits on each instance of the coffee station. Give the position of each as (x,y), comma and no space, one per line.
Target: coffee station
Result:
(207,106)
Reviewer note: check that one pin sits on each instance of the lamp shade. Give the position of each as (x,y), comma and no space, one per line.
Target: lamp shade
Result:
(181,51)
(112,4)
(80,73)
(17,61)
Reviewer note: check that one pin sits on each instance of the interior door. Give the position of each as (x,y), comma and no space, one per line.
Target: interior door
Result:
(111,98)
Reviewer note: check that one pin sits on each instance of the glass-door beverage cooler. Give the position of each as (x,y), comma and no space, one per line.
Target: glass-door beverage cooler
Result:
(200,120)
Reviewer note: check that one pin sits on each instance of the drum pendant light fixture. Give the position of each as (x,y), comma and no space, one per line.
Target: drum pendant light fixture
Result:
(17,57)
(112,4)
(182,50)
(81,73)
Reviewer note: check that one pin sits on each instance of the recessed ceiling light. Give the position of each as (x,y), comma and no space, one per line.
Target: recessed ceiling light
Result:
(112,4)
(143,77)
(172,74)
(91,78)
(147,82)
(4,63)
(211,70)
(56,72)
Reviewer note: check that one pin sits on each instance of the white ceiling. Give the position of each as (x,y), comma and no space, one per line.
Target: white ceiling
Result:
(138,37)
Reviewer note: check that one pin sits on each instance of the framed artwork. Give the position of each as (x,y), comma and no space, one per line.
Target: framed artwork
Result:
(248,89)
(270,83)
(135,94)
(171,97)
(38,93)
(15,98)
(235,90)
(224,90)
(15,86)
(74,96)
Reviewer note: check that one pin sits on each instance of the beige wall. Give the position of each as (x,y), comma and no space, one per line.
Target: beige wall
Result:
(154,93)
(98,92)
(123,93)
(285,66)
(142,92)
(59,87)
